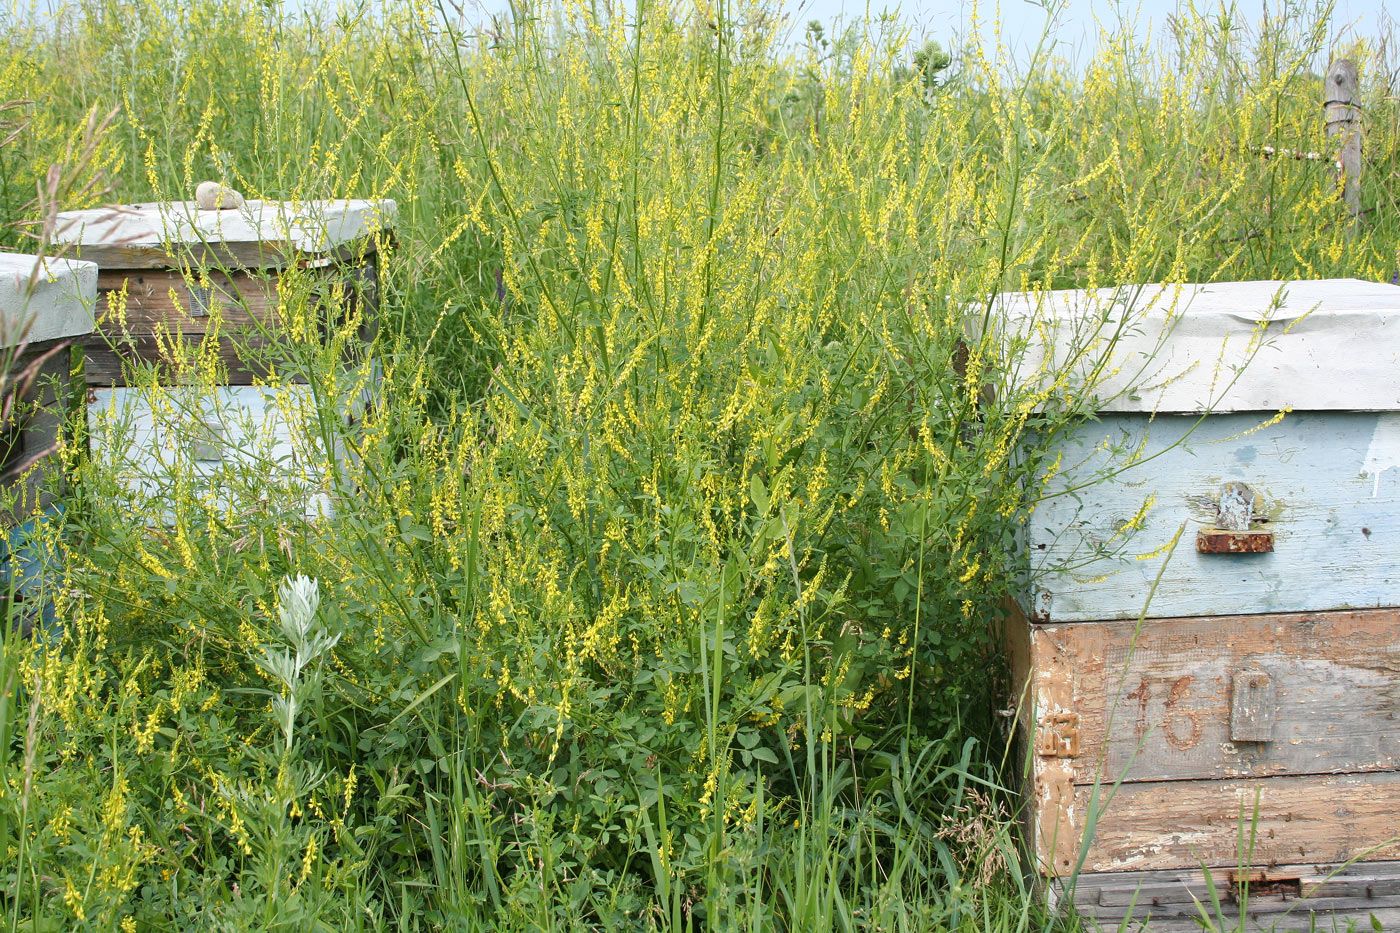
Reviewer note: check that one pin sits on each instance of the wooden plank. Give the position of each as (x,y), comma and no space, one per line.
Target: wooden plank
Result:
(1185,824)
(44,299)
(164,299)
(1169,899)
(1253,705)
(1166,348)
(241,445)
(1327,487)
(1360,880)
(1159,704)
(107,361)
(43,377)
(271,255)
(261,235)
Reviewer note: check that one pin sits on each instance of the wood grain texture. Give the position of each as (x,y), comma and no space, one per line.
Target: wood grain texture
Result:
(1169,899)
(1187,824)
(1253,705)
(108,361)
(1330,500)
(269,255)
(159,303)
(45,401)
(162,299)
(1342,119)
(1160,706)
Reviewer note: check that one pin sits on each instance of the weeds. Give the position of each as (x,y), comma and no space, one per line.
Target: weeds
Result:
(664,566)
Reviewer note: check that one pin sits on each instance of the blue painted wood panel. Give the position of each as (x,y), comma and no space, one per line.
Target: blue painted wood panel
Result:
(1327,484)
(229,448)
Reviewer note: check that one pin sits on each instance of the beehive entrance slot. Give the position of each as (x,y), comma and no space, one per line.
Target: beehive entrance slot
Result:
(1250,885)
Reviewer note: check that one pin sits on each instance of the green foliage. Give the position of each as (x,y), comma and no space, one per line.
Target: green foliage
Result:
(663,574)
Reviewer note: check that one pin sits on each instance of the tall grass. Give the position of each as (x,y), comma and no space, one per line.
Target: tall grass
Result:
(662,586)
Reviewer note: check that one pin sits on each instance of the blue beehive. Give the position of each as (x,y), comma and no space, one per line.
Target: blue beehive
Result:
(1250,717)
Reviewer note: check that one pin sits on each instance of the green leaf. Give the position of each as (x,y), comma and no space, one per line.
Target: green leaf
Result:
(410,530)
(759,494)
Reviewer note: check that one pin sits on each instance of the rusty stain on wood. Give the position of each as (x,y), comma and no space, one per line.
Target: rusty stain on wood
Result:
(1222,541)
(1301,706)
(1175,716)
(1335,678)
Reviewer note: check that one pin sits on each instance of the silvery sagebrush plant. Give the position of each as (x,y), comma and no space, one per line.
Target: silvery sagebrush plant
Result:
(290,664)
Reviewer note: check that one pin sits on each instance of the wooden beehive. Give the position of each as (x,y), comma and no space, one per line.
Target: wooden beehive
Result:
(45,305)
(1240,719)
(174,270)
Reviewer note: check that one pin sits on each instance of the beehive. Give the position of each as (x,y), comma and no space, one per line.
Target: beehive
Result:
(176,270)
(1246,726)
(45,304)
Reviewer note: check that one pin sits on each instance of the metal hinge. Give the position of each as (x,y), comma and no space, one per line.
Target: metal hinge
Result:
(1058,736)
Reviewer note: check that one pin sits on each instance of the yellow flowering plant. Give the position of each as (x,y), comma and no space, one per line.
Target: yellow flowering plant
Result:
(665,560)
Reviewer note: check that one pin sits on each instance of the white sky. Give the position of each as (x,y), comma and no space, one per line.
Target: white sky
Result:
(1023,23)
(1078,22)
(1078,19)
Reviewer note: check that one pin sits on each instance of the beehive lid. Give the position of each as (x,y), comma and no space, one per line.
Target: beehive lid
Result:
(260,234)
(60,303)
(1320,345)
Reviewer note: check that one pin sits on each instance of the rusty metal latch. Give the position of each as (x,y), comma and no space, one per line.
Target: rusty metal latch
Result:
(1058,736)
(1234,532)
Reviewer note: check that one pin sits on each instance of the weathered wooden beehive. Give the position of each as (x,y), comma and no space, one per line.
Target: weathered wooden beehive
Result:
(45,304)
(1249,726)
(183,276)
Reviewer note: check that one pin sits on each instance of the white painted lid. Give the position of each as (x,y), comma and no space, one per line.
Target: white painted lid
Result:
(306,227)
(1320,345)
(59,305)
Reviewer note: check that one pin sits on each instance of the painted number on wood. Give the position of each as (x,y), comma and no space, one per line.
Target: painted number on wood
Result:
(1180,725)
(1058,736)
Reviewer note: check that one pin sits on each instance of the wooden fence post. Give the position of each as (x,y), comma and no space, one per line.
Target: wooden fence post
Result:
(1339,93)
